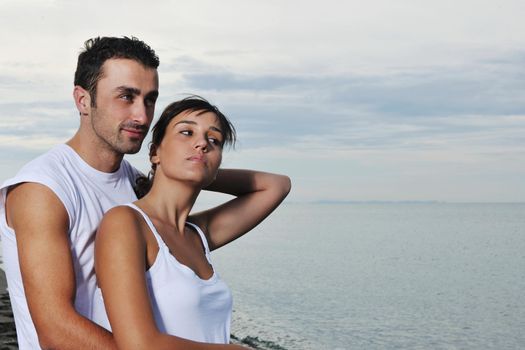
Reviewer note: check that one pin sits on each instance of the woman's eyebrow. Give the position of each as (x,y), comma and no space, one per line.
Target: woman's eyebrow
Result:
(214,128)
(186,122)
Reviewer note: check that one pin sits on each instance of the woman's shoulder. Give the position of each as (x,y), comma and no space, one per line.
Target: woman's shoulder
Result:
(121,220)
(120,210)
(119,242)
(200,220)
(121,213)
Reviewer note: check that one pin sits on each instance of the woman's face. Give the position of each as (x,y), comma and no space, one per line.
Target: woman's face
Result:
(191,150)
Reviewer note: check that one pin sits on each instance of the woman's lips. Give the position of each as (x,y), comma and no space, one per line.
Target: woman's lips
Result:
(197,158)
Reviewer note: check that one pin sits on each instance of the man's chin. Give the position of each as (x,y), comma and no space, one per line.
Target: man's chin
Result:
(132,148)
(132,152)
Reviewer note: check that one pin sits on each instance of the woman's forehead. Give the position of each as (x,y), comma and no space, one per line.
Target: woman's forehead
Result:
(196,116)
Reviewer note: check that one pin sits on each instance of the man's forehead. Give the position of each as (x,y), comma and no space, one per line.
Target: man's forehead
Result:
(127,72)
(123,64)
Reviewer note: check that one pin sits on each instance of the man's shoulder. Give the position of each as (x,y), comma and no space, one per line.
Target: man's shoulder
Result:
(41,166)
(130,171)
(49,170)
(52,159)
(127,165)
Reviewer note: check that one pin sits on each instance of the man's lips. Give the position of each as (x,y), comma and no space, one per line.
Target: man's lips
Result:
(135,132)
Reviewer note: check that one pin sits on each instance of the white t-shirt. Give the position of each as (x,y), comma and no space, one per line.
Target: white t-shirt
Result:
(87,194)
(183,304)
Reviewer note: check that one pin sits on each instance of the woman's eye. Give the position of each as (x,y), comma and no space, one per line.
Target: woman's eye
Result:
(215,141)
(186,132)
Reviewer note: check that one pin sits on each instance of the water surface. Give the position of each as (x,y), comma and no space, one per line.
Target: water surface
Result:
(382,276)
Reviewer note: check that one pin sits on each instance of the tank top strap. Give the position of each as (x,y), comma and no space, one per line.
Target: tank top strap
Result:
(159,239)
(202,235)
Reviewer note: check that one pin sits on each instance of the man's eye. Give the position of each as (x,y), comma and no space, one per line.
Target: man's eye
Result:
(127,97)
(149,103)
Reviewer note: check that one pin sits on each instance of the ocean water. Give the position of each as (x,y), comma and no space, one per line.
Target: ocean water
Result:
(381,276)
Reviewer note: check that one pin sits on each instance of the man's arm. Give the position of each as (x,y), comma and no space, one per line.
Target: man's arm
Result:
(41,223)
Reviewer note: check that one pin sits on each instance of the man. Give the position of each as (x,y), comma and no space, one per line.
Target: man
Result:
(50,210)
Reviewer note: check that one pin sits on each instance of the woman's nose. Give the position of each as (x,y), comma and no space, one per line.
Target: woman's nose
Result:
(201,143)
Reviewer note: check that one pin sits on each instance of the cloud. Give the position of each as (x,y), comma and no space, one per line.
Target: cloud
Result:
(420,109)
(9,82)
(230,81)
(326,90)
(466,105)
(36,125)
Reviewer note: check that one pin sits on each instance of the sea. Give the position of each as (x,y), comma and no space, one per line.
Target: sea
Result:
(380,276)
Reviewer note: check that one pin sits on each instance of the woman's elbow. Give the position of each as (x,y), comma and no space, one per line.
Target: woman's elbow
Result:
(284,185)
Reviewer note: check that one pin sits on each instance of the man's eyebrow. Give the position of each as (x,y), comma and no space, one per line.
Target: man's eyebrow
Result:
(153,94)
(128,90)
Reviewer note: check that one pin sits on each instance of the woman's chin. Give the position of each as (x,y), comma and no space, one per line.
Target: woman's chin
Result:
(201,182)
(205,183)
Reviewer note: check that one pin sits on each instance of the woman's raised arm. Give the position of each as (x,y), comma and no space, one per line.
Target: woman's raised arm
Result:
(257,195)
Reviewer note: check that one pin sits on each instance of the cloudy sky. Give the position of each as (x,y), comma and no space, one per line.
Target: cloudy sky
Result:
(376,100)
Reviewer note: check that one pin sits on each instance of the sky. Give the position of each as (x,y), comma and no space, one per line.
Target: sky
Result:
(408,100)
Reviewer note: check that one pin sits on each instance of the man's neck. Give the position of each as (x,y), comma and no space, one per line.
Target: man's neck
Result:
(96,155)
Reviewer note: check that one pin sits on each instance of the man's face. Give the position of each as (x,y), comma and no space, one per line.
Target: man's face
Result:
(125,103)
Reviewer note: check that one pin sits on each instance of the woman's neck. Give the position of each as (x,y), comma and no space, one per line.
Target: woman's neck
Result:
(169,204)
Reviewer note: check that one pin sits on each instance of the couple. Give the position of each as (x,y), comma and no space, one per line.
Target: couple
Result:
(155,286)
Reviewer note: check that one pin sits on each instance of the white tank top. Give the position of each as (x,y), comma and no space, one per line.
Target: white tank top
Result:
(183,304)
(87,194)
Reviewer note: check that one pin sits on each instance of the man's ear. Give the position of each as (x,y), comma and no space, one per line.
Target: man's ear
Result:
(82,100)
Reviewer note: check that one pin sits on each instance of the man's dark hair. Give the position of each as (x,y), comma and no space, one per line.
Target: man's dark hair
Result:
(97,50)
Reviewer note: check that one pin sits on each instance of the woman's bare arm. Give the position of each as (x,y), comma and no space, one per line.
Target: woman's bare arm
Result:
(257,195)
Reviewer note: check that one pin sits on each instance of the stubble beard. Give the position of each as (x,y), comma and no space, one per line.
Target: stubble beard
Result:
(114,140)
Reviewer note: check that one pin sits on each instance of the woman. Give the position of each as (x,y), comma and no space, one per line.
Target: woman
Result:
(152,260)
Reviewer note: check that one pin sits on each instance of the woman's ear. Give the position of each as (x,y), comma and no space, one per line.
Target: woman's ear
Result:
(82,100)
(153,157)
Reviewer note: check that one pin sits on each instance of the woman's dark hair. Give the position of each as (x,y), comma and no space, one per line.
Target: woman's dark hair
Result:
(190,103)
(100,49)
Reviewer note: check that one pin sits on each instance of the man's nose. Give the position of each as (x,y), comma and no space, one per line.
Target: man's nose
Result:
(140,113)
